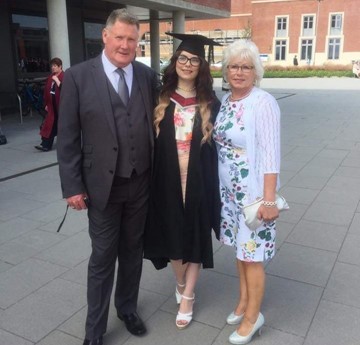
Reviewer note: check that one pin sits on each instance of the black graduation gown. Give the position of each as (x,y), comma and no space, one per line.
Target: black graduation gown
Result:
(174,230)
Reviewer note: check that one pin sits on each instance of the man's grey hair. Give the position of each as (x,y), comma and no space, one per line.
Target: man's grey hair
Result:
(123,16)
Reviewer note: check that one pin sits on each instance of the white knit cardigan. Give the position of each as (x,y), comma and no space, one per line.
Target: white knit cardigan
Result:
(262,130)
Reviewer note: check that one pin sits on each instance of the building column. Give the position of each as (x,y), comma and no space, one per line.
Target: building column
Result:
(8,76)
(154,41)
(58,31)
(178,26)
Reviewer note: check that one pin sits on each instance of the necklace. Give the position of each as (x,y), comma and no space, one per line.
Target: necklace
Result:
(239,99)
(186,90)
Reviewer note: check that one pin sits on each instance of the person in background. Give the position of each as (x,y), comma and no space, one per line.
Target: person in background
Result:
(295,61)
(48,130)
(184,197)
(247,136)
(105,153)
(356,68)
(3,139)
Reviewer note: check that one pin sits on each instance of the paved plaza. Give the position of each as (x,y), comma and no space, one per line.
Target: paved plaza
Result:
(313,283)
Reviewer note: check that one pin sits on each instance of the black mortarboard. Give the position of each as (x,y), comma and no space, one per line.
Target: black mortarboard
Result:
(194,44)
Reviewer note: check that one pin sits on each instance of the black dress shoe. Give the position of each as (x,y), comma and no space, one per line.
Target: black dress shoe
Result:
(93,342)
(133,323)
(42,148)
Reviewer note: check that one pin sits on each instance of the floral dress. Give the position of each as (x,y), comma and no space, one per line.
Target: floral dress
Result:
(184,114)
(230,137)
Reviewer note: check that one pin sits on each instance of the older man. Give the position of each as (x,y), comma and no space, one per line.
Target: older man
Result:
(105,148)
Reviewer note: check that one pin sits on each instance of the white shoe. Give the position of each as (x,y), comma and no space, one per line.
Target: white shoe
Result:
(177,293)
(187,317)
(238,339)
(234,319)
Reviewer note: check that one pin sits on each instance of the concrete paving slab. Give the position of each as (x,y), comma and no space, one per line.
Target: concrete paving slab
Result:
(352,160)
(4,266)
(348,172)
(38,314)
(162,330)
(350,250)
(27,246)
(12,339)
(13,204)
(318,235)
(334,324)
(269,336)
(161,281)
(46,212)
(304,180)
(299,195)
(225,261)
(56,338)
(303,154)
(345,183)
(304,264)
(355,225)
(344,285)
(283,230)
(74,223)
(77,249)
(336,154)
(290,306)
(286,176)
(77,274)
(15,228)
(294,214)
(292,164)
(26,278)
(338,196)
(330,213)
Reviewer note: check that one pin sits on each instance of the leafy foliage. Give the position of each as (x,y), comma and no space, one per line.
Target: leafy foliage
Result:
(324,71)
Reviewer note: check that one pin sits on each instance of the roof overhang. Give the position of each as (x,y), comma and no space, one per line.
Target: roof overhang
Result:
(163,9)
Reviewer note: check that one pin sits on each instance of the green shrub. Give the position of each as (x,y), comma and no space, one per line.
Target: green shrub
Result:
(303,71)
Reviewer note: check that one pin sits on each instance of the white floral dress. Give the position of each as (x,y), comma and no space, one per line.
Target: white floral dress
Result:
(230,137)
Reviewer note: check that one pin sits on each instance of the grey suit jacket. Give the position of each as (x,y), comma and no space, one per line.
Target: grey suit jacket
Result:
(87,143)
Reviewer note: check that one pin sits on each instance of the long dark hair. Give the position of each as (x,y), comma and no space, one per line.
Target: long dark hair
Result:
(204,94)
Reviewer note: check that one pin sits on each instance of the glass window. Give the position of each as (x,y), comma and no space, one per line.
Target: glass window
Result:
(93,39)
(32,43)
(280,50)
(334,48)
(306,50)
(308,26)
(336,24)
(281,27)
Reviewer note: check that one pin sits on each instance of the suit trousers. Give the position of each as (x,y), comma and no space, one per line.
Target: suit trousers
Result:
(116,233)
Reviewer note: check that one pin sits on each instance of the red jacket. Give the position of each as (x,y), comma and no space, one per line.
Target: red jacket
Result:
(48,101)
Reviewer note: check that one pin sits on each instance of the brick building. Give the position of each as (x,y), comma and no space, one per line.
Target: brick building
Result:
(316,31)
(34,31)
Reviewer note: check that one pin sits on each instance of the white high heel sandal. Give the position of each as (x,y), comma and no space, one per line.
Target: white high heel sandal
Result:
(187,317)
(177,293)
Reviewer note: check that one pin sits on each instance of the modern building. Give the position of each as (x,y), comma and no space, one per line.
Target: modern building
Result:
(317,32)
(34,31)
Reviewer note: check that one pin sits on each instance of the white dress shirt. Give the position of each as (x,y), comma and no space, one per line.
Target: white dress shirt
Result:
(113,76)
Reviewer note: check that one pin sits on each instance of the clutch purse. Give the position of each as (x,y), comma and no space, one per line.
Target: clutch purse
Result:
(250,211)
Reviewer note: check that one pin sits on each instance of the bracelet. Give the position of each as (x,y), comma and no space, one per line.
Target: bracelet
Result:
(269,203)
